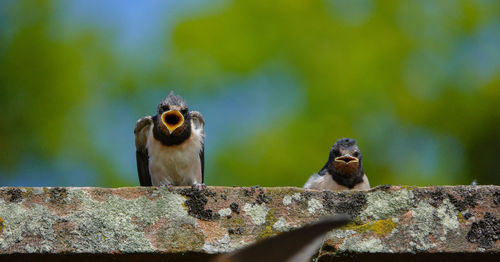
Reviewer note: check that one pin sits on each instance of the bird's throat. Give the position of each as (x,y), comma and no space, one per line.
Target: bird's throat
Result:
(348,179)
(176,138)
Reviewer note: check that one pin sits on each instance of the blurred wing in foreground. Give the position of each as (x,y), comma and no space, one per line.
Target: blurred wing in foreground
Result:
(297,245)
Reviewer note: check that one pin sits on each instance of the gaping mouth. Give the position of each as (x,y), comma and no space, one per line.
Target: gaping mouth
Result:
(172,119)
(346,159)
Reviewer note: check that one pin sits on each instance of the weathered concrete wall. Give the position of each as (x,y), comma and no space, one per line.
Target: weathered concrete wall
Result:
(183,223)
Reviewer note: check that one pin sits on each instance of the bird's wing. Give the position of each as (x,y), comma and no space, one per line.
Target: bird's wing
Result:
(288,246)
(199,123)
(141,137)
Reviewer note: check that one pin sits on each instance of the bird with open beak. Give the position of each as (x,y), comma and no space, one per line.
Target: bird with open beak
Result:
(342,171)
(170,145)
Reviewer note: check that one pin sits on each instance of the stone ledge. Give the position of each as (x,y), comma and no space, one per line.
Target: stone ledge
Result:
(184,223)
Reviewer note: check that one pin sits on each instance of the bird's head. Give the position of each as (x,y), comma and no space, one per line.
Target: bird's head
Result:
(345,158)
(173,115)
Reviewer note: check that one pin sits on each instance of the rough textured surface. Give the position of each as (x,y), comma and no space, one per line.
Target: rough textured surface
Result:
(186,223)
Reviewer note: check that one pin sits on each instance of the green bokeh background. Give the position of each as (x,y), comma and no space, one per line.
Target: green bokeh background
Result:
(417,83)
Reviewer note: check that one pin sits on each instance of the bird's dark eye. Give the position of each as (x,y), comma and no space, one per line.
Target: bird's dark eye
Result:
(356,154)
(184,111)
(336,152)
(165,108)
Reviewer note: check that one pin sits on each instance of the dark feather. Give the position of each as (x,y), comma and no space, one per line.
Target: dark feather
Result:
(143,168)
(171,100)
(202,160)
(288,244)
(140,131)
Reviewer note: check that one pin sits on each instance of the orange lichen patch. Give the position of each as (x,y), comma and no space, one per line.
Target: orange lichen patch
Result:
(211,230)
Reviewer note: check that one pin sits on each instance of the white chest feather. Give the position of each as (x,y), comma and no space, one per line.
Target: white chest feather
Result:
(177,164)
(326,182)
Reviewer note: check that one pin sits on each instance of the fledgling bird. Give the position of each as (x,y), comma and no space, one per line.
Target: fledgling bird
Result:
(342,171)
(297,245)
(170,145)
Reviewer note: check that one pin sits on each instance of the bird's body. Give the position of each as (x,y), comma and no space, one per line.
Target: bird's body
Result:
(170,145)
(342,171)
(176,164)
(326,182)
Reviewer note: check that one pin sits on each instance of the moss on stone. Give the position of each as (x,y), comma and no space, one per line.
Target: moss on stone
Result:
(461,218)
(409,188)
(27,191)
(2,225)
(268,229)
(267,232)
(271,216)
(233,222)
(380,227)
(238,221)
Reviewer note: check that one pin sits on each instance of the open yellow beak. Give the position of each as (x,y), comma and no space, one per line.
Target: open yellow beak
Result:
(172,119)
(346,159)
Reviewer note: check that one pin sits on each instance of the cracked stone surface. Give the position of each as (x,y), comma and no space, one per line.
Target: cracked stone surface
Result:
(180,220)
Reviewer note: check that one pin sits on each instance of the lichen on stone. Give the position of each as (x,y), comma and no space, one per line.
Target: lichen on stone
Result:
(379,227)
(428,220)
(268,229)
(314,205)
(19,223)
(448,215)
(297,197)
(2,226)
(340,233)
(225,212)
(355,244)
(221,245)
(256,212)
(266,232)
(281,225)
(151,220)
(287,200)
(117,223)
(382,205)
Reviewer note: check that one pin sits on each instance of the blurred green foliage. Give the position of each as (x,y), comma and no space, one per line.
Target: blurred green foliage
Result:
(395,60)
(416,83)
